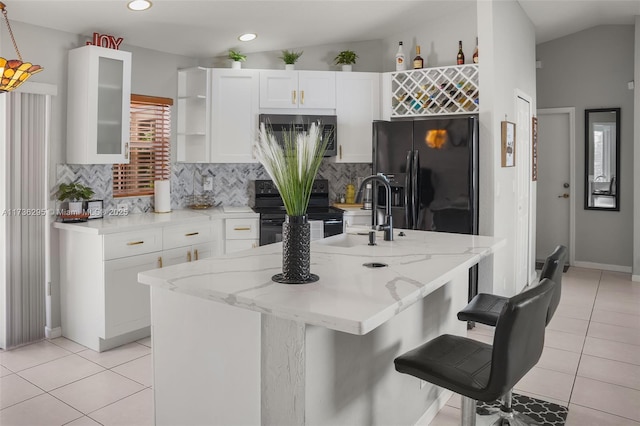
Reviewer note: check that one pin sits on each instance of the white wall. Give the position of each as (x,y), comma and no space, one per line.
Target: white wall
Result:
(636,155)
(570,77)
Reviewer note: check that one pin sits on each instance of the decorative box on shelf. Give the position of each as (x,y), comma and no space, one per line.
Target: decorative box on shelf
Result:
(435,91)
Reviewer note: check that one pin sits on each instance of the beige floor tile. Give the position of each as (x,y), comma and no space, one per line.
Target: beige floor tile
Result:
(609,349)
(481,337)
(615,333)
(116,356)
(136,409)
(15,389)
(578,295)
(447,416)
(542,397)
(139,370)
(616,318)
(549,383)
(96,391)
(559,360)
(607,397)
(31,355)
(565,341)
(4,371)
(146,341)
(83,421)
(568,325)
(60,372)
(43,410)
(620,304)
(582,312)
(583,416)
(455,401)
(67,344)
(605,370)
(483,329)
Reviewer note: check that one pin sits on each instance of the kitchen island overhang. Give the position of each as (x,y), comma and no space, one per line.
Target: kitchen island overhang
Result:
(290,347)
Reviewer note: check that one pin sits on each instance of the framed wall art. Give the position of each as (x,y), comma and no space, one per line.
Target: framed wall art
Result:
(508,142)
(534,149)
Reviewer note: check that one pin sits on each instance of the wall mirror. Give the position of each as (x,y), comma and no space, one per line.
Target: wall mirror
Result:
(602,159)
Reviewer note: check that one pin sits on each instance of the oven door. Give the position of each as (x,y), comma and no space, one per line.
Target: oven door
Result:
(271,230)
(333,227)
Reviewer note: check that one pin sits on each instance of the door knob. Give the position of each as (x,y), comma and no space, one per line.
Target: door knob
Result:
(565,185)
(563,196)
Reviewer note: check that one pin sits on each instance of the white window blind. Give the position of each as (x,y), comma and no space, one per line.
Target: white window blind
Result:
(149,148)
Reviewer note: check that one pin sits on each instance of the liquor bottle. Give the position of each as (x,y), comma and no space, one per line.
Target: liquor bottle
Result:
(475,53)
(418,62)
(460,53)
(401,65)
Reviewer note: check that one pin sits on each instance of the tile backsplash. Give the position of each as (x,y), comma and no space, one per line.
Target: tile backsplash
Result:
(231,182)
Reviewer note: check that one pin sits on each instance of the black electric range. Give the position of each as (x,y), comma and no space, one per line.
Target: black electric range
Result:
(270,206)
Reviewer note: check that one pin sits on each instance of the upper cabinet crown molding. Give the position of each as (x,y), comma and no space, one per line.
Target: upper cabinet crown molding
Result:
(98,106)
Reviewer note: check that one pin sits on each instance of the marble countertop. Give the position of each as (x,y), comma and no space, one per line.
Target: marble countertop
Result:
(113,224)
(348,297)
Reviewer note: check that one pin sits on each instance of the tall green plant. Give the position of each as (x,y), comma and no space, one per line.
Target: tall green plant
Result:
(293,165)
(290,57)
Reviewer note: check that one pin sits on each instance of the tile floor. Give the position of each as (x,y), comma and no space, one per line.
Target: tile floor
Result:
(591,362)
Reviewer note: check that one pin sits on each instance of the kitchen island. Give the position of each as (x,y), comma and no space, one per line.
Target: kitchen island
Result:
(230,346)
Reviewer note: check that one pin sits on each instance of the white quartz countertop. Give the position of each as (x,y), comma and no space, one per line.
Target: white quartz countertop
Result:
(348,297)
(113,224)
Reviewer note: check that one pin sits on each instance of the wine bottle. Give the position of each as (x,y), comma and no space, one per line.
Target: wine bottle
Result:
(475,52)
(400,62)
(418,62)
(460,53)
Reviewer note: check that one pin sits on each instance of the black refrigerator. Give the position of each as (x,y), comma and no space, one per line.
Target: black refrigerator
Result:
(432,165)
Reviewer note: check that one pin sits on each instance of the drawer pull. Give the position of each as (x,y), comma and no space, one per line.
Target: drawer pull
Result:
(135,243)
(195,253)
(191,234)
(188,256)
(160,262)
(242,228)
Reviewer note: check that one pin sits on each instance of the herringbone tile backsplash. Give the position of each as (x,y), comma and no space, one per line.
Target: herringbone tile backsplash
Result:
(232,183)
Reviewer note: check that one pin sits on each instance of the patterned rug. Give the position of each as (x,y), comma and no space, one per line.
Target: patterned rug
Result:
(543,412)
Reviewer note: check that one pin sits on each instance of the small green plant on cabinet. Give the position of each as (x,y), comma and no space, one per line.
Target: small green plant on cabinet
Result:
(74,192)
(290,57)
(346,57)
(234,55)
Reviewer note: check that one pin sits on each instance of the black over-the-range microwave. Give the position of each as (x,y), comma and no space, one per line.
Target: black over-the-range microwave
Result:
(281,123)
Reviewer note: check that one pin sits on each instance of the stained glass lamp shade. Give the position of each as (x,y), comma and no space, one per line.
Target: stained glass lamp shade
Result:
(14,72)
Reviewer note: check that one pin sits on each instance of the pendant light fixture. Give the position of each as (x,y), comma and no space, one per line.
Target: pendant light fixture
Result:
(14,72)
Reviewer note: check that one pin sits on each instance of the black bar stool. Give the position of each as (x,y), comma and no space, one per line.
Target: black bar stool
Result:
(479,371)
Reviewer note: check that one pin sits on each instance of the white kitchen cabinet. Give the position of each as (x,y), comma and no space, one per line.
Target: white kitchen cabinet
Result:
(357,105)
(98,106)
(241,234)
(234,115)
(297,89)
(191,242)
(193,115)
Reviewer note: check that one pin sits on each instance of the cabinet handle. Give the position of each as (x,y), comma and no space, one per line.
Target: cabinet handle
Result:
(160,262)
(126,150)
(253,245)
(191,234)
(293,97)
(302,96)
(340,149)
(242,228)
(189,256)
(135,243)
(195,254)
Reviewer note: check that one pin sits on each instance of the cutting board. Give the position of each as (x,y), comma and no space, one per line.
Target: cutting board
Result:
(345,205)
(237,209)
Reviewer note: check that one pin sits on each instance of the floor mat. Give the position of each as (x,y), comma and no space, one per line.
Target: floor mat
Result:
(543,412)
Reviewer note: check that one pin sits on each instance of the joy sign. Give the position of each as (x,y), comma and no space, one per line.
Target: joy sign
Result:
(105,40)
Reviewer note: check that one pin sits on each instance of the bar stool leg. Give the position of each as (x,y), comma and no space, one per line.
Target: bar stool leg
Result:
(468,411)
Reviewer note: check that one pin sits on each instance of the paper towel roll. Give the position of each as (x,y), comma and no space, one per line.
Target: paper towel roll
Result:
(162,192)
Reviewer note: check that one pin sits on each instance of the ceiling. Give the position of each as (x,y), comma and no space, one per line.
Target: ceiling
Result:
(207,28)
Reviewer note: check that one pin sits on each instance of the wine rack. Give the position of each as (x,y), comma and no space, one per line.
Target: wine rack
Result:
(435,91)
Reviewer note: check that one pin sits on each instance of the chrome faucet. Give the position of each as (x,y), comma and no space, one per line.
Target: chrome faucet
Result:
(387,227)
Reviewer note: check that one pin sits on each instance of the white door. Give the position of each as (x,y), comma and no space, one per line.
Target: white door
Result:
(278,89)
(317,89)
(555,193)
(523,177)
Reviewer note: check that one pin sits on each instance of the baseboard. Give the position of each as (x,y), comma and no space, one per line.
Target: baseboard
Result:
(635,278)
(52,333)
(603,266)
(435,408)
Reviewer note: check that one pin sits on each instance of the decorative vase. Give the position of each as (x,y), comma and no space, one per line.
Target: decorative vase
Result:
(75,207)
(236,65)
(296,252)
(347,68)
(289,67)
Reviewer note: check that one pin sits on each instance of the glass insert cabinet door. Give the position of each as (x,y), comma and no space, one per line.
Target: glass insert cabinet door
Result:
(602,159)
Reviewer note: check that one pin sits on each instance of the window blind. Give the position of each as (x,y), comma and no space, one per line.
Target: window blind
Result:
(149,148)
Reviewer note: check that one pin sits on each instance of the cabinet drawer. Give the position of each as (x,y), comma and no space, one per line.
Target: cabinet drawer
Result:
(132,243)
(233,246)
(186,235)
(241,229)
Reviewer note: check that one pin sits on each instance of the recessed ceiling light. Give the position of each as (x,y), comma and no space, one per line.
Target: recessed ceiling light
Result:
(247,37)
(139,5)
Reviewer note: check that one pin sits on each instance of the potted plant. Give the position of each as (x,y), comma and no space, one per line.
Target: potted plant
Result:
(237,59)
(290,58)
(346,58)
(74,193)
